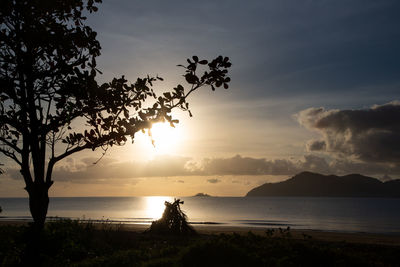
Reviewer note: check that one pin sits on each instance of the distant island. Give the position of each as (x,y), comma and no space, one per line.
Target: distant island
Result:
(308,184)
(202,195)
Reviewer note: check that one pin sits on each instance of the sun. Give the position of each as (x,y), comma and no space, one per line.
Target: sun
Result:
(166,138)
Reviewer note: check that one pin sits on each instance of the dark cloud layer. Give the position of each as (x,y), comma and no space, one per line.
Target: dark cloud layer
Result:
(238,165)
(107,170)
(370,135)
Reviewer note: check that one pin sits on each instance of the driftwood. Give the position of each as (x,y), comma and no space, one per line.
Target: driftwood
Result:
(173,221)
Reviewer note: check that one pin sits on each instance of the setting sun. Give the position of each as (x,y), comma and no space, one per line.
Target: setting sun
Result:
(166,138)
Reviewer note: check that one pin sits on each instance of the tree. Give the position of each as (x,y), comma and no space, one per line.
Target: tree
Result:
(48,81)
(1,171)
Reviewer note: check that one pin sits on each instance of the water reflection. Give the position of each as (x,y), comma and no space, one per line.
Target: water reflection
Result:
(154,206)
(374,215)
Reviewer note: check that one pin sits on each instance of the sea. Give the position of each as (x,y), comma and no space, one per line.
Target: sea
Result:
(370,215)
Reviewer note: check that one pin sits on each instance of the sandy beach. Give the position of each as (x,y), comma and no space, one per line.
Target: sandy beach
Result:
(364,238)
(332,236)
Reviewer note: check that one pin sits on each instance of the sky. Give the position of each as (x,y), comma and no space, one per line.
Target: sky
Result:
(315,86)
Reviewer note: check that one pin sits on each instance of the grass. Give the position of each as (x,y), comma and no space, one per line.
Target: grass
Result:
(73,243)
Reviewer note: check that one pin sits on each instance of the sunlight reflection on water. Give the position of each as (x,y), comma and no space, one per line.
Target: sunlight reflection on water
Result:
(155,206)
(374,215)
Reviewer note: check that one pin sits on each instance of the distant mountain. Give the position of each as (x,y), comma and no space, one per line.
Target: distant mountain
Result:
(308,184)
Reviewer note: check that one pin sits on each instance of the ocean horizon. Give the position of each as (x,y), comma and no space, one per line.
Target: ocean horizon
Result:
(371,215)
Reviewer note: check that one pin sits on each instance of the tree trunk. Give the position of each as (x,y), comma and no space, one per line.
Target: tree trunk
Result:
(38,203)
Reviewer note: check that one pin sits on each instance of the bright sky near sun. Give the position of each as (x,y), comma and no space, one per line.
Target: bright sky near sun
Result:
(315,86)
(166,139)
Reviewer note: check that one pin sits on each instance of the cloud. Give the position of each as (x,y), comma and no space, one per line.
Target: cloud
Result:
(369,135)
(214,180)
(84,171)
(239,165)
(109,170)
(316,145)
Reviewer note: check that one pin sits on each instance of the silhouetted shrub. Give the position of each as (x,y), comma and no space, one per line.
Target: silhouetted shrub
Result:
(173,221)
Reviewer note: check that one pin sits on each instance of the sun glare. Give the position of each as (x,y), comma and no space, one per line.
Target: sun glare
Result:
(155,206)
(166,138)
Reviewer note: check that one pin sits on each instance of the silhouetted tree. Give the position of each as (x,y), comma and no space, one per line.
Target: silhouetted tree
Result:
(1,172)
(47,81)
(173,221)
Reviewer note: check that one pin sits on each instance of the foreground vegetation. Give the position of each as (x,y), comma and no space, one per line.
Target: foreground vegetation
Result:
(71,243)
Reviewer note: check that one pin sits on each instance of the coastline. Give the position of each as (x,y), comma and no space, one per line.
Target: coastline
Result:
(390,239)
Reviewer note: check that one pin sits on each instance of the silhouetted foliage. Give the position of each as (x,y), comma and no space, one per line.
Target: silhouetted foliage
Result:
(73,243)
(173,221)
(47,81)
(1,172)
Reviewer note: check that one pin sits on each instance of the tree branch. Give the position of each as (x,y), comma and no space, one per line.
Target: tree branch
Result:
(11,155)
(69,152)
(13,146)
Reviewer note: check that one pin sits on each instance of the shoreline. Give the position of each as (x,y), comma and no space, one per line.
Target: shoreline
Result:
(390,239)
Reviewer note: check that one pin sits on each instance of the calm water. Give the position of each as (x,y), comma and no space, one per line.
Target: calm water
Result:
(375,215)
